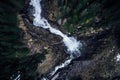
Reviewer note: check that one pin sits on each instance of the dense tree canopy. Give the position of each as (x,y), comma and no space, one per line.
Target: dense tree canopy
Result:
(12,51)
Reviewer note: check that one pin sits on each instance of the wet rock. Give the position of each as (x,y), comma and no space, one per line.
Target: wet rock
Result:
(97,60)
(50,9)
(43,42)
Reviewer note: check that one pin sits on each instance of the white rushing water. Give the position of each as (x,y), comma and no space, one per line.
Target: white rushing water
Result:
(61,66)
(117,57)
(71,43)
(55,77)
(18,77)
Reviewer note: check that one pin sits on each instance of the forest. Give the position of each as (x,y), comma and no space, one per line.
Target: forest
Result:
(28,52)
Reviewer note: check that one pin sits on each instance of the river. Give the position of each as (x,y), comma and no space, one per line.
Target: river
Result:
(73,45)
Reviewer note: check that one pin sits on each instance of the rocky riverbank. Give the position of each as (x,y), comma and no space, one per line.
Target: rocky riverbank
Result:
(99,51)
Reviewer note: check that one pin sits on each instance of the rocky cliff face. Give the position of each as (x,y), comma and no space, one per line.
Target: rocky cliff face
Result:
(98,60)
(41,41)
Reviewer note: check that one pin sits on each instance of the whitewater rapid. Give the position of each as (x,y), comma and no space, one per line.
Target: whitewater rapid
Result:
(73,46)
(70,42)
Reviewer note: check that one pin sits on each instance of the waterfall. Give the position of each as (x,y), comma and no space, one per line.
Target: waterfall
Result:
(71,43)
(18,77)
(61,66)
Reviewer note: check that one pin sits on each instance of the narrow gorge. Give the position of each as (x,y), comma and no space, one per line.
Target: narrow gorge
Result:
(59,40)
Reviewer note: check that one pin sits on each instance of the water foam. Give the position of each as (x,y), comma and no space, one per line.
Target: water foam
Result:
(70,42)
(61,66)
